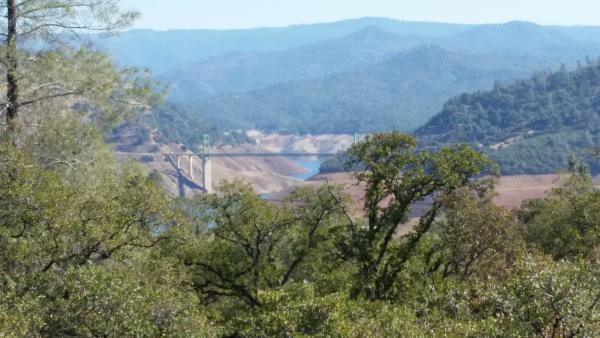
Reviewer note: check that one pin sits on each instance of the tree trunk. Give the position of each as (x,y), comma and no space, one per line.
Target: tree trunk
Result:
(12,90)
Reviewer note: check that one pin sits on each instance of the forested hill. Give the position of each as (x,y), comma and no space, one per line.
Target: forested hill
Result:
(530,126)
(171,123)
(348,73)
(402,93)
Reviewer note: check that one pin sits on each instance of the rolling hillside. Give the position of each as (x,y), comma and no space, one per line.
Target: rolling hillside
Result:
(360,75)
(244,71)
(531,126)
(400,93)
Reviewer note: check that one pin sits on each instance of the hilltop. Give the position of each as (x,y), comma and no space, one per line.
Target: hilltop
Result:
(241,71)
(402,92)
(530,126)
(357,75)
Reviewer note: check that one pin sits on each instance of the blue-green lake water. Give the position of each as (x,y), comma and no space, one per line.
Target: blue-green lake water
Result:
(312,168)
(311,165)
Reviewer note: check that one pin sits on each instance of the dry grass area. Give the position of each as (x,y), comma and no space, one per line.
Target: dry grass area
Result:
(511,190)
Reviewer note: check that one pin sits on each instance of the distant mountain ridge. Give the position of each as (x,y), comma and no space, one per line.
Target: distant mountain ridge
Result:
(402,92)
(523,38)
(161,50)
(356,75)
(243,71)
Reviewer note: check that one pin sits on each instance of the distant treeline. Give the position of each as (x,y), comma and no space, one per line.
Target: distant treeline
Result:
(531,126)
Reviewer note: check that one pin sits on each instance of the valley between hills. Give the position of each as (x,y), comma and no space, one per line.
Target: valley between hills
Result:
(275,177)
(523,93)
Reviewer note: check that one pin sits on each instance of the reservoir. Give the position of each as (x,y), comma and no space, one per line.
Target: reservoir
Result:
(311,164)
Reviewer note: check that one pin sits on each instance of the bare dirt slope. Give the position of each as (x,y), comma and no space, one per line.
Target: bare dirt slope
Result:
(266,175)
(132,143)
(271,175)
(511,190)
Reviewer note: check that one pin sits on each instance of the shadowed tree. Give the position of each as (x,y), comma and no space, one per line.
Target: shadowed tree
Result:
(253,245)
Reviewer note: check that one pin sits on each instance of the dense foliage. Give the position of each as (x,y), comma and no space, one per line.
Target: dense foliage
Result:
(93,249)
(531,126)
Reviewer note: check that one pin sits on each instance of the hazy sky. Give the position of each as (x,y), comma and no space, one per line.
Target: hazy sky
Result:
(169,14)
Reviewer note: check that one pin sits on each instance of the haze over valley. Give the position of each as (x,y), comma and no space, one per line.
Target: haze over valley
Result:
(369,75)
(354,76)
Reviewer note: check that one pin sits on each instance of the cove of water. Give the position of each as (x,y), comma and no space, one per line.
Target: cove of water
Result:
(311,165)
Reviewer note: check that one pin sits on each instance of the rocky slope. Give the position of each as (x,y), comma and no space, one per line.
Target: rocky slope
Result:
(271,175)
(266,175)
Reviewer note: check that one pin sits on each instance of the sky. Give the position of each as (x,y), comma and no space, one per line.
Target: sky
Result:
(230,14)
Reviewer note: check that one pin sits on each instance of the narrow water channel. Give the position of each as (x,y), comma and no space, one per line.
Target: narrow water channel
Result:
(311,165)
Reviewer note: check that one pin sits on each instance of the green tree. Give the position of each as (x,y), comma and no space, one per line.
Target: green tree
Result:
(74,252)
(300,311)
(476,237)
(249,244)
(396,176)
(544,298)
(566,223)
